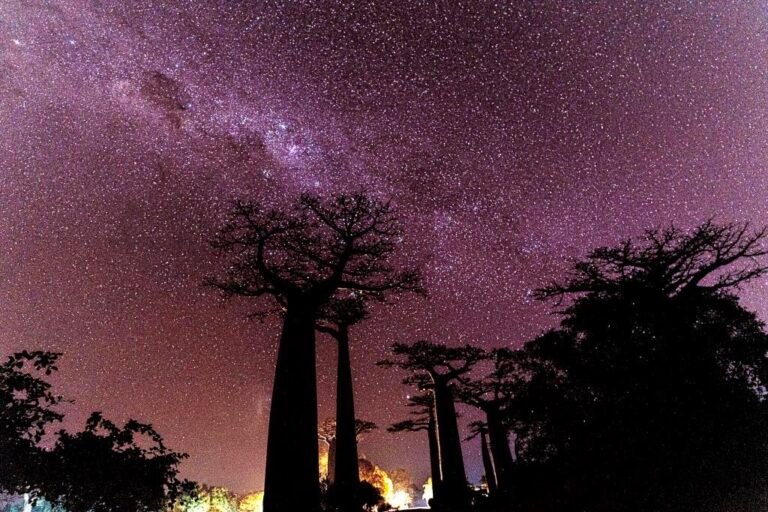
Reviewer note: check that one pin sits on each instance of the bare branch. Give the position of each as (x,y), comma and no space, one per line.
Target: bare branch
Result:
(710,258)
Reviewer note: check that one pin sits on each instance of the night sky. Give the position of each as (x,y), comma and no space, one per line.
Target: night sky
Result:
(511,136)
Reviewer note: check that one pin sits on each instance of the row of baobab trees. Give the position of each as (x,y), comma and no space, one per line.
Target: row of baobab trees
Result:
(473,376)
(323,262)
(676,338)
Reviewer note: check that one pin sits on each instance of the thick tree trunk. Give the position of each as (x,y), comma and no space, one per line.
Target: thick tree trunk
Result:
(346,472)
(292,473)
(502,454)
(490,472)
(453,484)
(332,460)
(434,453)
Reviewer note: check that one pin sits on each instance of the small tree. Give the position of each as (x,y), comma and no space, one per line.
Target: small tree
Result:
(27,408)
(434,366)
(107,468)
(493,393)
(423,412)
(302,257)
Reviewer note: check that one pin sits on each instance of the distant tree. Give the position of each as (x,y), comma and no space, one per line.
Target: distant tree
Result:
(402,482)
(216,499)
(423,412)
(326,433)
(434,366)
(652,393)
(302,257)
(27,408)
(493,393)
(253,502)
(336,318)
(480,429)
(107,468)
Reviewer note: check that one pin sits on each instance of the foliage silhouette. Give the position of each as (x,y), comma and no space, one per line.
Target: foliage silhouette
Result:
(435,366)
(104,468)
(651,394)
(27,408)
(362,498)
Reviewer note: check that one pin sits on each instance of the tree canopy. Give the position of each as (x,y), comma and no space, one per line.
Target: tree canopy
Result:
(27,409)
(651,394)
(104,468)
(313,249)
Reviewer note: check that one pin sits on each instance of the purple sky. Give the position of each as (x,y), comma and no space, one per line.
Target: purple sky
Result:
(511,135)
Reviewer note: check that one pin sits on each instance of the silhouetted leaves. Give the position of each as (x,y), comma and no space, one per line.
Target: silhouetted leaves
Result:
(648,397)
(27,408)
(104,468)
(107,468)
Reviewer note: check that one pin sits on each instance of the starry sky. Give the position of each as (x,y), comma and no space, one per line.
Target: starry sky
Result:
(511,136)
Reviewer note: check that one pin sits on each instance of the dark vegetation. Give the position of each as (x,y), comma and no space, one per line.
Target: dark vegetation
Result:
(104,468)
(649,396)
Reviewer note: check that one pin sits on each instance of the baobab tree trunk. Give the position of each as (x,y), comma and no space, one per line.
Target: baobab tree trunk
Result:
(453,478)
(434,453)
(346,472)
(332,459)
(502,455)
(292,473)
(490,472)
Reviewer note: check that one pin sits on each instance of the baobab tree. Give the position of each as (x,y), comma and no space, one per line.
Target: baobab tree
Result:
(650,395)
(435,366)
(327,433)
(480,429)
(493,393)
(301,257)
(337,317)
(423,419)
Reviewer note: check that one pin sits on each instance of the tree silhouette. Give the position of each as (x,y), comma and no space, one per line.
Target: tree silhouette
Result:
(107,468)
(104,468)
(336,318)
(363,498)
(27,408)
(302,257)
(434,366)
(480,429)
(327,433)
(423,410)
(493,393)
(651,394)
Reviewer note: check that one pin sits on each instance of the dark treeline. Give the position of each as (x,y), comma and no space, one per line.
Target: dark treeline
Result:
(104,468)
(649,396)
